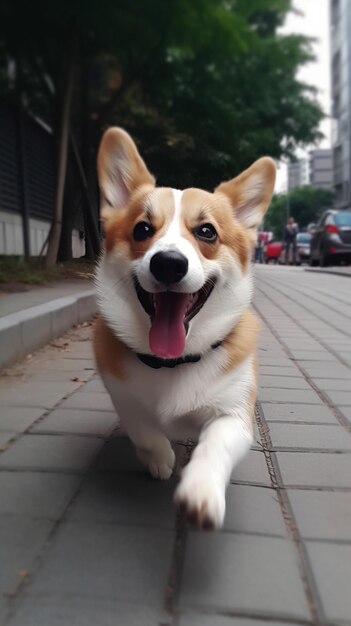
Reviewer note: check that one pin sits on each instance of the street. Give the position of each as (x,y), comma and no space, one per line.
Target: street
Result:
(87,538)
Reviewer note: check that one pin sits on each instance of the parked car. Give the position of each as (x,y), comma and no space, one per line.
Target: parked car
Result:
(272,251)
(331,243)
(303,247)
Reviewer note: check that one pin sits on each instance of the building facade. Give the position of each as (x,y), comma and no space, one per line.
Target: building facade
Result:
(298,174)
(340,25)
(27,182)
(321,168)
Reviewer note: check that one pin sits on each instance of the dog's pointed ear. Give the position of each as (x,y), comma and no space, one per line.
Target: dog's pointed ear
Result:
(250,193)
(121,170)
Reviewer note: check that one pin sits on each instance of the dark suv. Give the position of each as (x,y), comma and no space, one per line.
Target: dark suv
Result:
(331,242)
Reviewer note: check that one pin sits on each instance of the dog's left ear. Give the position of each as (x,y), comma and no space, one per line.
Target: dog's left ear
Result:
(121,169)
(250,193)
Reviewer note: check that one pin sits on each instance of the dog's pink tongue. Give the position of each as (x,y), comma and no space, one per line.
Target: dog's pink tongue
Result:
(167,333)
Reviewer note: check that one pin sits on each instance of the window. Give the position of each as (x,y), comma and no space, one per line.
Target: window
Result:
(343,218)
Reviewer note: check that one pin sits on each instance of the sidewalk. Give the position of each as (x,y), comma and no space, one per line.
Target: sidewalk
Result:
(30,319)
(88,539)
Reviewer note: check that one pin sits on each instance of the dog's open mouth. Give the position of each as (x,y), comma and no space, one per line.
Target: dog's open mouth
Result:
(170,314)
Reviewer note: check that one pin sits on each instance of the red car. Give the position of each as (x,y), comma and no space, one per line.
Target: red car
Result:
(272,251)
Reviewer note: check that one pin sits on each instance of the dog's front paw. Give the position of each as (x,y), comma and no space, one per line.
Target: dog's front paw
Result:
(202,497)
(159,461)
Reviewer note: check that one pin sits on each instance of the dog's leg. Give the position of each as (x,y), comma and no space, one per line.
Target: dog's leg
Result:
(152,448)
(222,444)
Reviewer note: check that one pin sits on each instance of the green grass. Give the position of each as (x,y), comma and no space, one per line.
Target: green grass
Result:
(32,272)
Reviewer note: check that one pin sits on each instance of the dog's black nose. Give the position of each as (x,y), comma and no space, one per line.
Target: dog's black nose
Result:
(169,267)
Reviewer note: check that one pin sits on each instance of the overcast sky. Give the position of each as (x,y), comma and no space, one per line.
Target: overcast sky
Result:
(313,21)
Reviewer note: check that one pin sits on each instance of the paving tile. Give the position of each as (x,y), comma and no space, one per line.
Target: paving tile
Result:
(51,452)
(346,411)
(94,386)
(340,397)
(277,362)
(134,499)
(266,370)
(37,387)
(309,413)
(300,396)
(21,541)
(4,608)
(322,514)
(333,384)
(90,401)
(44,399)
(320,356)
(64,365)
(309,436)
(297,345)
(118,455)
(78,421)
(193,619)
(84,611)
(252,469)
(51,375)
(253,510)
(127,563)
(4,439)
(80,350)
(211,580)
(320,470)
(331,566)
(324,370)
(36,494)
(17,419)
(283,382)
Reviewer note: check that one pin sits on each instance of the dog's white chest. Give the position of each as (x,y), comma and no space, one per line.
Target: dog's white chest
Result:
(194,391)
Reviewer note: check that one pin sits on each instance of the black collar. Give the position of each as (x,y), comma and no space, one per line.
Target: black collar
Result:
(156,362)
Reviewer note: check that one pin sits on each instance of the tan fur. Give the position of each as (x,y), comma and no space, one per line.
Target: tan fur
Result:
(242,340)
(243,193)
(200,207)
(109,351)
(153,206)
(117,145)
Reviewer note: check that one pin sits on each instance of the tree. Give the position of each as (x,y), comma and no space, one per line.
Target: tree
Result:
(304,204)
(205,87)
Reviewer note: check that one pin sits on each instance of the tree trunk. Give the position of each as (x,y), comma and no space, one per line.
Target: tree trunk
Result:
(65,251)
(87,168)
(63,141)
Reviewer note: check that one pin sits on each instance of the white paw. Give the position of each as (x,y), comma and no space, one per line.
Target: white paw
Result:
(159,461)
(202,497)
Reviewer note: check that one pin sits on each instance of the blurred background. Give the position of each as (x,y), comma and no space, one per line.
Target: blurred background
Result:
(204,87)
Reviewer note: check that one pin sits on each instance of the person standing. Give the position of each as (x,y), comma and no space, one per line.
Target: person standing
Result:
(291,230)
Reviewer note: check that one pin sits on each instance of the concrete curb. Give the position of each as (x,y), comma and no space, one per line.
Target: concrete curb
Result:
(326,271)
(30,329)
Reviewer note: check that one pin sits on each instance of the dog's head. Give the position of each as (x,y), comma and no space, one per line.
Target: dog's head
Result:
(175,275)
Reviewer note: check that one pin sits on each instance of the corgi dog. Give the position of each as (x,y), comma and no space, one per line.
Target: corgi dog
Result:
(175,341)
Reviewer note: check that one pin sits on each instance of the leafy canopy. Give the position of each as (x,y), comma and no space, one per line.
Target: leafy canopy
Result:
(206,87)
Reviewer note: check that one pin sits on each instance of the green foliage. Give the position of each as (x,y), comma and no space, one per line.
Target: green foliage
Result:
(304,204)
(205,87)
(32,271)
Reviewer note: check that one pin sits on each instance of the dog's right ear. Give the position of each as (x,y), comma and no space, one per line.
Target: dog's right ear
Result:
(121,170)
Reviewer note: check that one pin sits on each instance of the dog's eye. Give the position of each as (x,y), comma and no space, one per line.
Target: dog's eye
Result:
(205,232)
(142,231)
